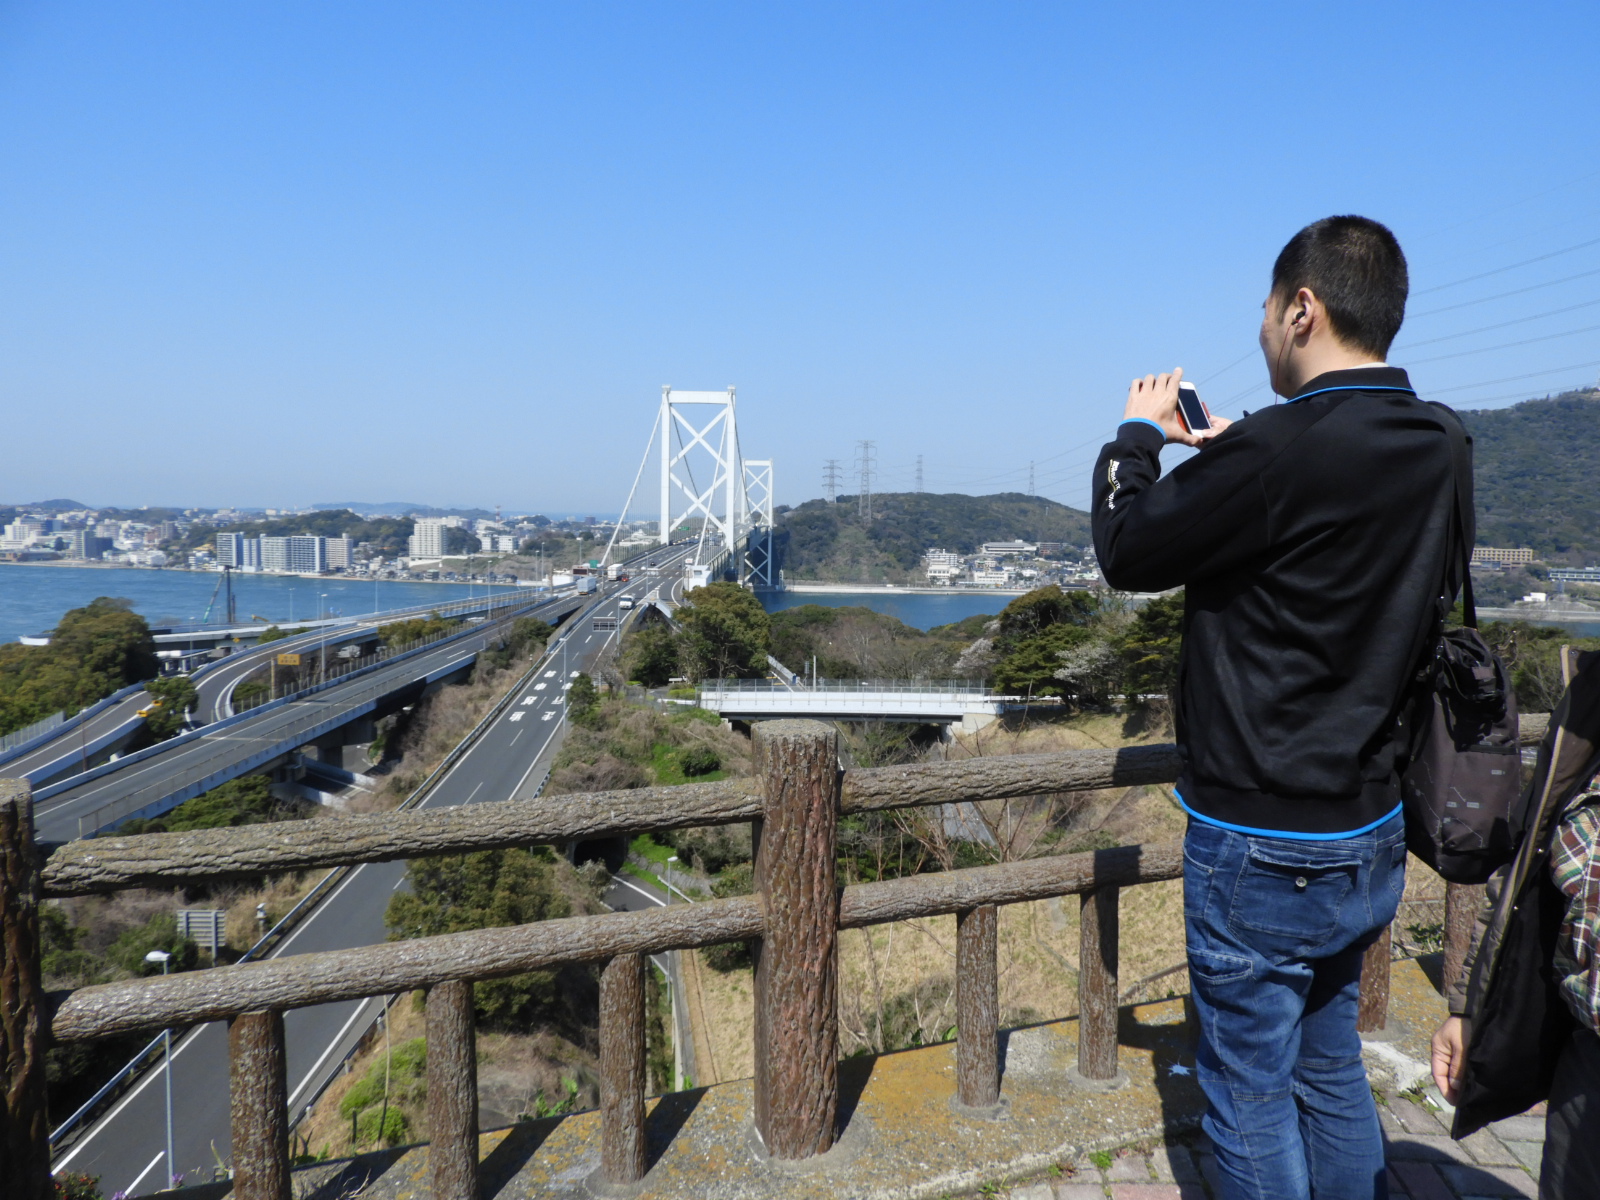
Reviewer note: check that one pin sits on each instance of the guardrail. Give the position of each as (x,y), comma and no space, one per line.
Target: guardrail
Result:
(961,687)
(796,913)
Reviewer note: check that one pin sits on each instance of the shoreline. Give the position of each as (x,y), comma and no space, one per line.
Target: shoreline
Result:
(85,564)
(889,589)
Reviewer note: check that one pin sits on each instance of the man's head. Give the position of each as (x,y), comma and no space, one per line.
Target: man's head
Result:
(1338,297)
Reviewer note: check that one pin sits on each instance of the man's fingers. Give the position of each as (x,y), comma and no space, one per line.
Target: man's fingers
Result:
(1177,374)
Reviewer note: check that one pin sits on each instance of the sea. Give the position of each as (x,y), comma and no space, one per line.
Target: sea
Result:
(919,611)
(33,598)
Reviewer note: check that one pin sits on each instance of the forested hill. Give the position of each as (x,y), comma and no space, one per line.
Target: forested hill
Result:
(1536,466)
(832,542)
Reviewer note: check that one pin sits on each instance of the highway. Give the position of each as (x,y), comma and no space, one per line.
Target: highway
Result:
(202,762)
(510,760)
(67,752)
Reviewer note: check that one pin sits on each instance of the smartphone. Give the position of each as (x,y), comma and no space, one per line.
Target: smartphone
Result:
(1190,411)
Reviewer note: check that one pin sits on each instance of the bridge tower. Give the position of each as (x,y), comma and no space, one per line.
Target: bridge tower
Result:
(758,512)
(718,436)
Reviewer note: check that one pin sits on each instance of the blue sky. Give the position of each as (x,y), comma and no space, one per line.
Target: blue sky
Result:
(271,254)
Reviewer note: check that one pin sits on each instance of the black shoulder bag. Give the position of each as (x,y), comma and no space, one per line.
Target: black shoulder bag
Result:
(1463,781)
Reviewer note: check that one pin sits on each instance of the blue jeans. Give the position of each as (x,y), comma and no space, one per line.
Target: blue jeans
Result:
(1276,930)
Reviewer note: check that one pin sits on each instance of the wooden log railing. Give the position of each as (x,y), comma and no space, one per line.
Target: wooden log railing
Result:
(793,920)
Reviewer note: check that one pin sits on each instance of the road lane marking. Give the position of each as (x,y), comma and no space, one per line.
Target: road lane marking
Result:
(565,686)
(516,716)
(653,899)
(549,674)
(474,791)
(548,714)
(575,674)
(539,687)
(513,742)
(160,1154)
(360,1008)
(531,699)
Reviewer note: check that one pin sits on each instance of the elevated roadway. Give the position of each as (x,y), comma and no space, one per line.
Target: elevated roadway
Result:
(937,703)
(85,740)
(510,759)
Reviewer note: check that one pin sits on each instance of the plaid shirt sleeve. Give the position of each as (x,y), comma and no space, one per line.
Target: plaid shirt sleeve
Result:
(1575,866)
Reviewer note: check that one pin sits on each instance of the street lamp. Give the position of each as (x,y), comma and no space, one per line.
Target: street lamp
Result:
(322,649)
(162,957)
(671,858)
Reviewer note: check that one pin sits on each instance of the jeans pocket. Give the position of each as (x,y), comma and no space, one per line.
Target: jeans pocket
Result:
(1214,969)
(1288,901)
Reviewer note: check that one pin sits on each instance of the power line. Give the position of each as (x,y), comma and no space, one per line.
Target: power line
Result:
(1433,312)
(1439,287)
(1450,337)
(1505,345)
(1513,378)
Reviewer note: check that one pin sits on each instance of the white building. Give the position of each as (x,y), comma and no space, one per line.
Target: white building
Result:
(341,552)
(990,578)
(427,537)
(1010,549)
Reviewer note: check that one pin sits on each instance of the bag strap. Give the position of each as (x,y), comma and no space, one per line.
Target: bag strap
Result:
(1461,469)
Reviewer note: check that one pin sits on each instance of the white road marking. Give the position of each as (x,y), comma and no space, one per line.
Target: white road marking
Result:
(531,699)
(474,791)
(159,1156)
(640,890)
(575,674)
(548,715)
(549,674)
(360,1008)
(516,716)
(539,687)
(514,740)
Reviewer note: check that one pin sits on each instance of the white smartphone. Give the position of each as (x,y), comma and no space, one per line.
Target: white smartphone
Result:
(1190,411)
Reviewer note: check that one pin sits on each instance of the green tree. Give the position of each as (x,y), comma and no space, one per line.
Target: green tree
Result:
(650,655)
(725,634)
(1041,609)
(583,700)
(271,634)
(1152,646)
(244,801)
(491,888)
(1030,669)
(94,651)
(176,696)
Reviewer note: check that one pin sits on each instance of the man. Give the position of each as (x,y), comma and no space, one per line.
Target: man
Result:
(1311,538)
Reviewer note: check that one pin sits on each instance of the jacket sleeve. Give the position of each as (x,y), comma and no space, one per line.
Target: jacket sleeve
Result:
(1206,517)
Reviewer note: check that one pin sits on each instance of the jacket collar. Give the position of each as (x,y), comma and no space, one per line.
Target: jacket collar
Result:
(1378,379)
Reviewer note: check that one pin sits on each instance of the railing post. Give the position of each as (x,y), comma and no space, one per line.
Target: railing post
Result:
(796,962)
(1372,1014)
(452,1091)
(622,1070)
(25,1135)
(259,1103)
(1461,904)
(977,1008)
(1097,984)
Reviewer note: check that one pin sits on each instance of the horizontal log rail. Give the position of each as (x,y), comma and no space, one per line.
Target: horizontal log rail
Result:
(791,920)
(107,1009)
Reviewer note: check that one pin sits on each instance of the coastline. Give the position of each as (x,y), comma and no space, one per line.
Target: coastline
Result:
(890,589)
(87,564)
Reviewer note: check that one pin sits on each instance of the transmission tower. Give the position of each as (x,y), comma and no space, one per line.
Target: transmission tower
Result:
(865,460)
(830,478)
(1030,479)
(919,472)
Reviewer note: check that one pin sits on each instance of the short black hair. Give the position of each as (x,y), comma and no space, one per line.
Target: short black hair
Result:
(1355,267)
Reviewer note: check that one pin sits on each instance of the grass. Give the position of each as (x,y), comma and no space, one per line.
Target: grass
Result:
(664,762)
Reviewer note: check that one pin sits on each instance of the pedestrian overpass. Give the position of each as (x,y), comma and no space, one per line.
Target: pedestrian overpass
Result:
(931,702)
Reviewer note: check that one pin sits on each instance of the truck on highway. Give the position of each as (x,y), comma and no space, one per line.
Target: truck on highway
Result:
(585,584)
(625,604)
(617,573)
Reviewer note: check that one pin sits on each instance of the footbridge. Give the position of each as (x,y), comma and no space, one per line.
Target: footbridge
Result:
(933,702)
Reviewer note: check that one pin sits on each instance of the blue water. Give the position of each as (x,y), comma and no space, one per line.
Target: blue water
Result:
(921,612)
(32,598)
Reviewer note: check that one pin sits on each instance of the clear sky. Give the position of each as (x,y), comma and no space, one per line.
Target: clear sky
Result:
(279,253)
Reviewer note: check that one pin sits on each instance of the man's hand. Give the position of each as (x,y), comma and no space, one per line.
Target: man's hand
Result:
(1155,398)
(1450,1056)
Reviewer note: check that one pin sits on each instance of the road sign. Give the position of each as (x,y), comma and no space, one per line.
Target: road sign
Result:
(288,660)
(203,927)
(605,624)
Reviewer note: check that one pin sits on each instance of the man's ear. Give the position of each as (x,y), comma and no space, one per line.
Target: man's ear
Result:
(1305,312)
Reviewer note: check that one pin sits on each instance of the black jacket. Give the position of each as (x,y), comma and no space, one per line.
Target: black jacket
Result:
(1312,540)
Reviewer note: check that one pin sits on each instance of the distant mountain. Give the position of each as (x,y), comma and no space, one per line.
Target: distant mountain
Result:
(400,508)
(1536,474)
(52,506)
(833,543)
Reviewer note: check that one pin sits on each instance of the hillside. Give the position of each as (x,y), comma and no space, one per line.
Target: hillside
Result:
(829,542)
(387,534)
(1535,467)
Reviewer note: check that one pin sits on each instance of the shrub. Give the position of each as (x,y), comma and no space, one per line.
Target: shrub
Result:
(699,760)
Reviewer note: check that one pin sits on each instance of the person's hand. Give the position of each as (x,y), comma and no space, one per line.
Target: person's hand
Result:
(1155,398)
(1450,1056)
